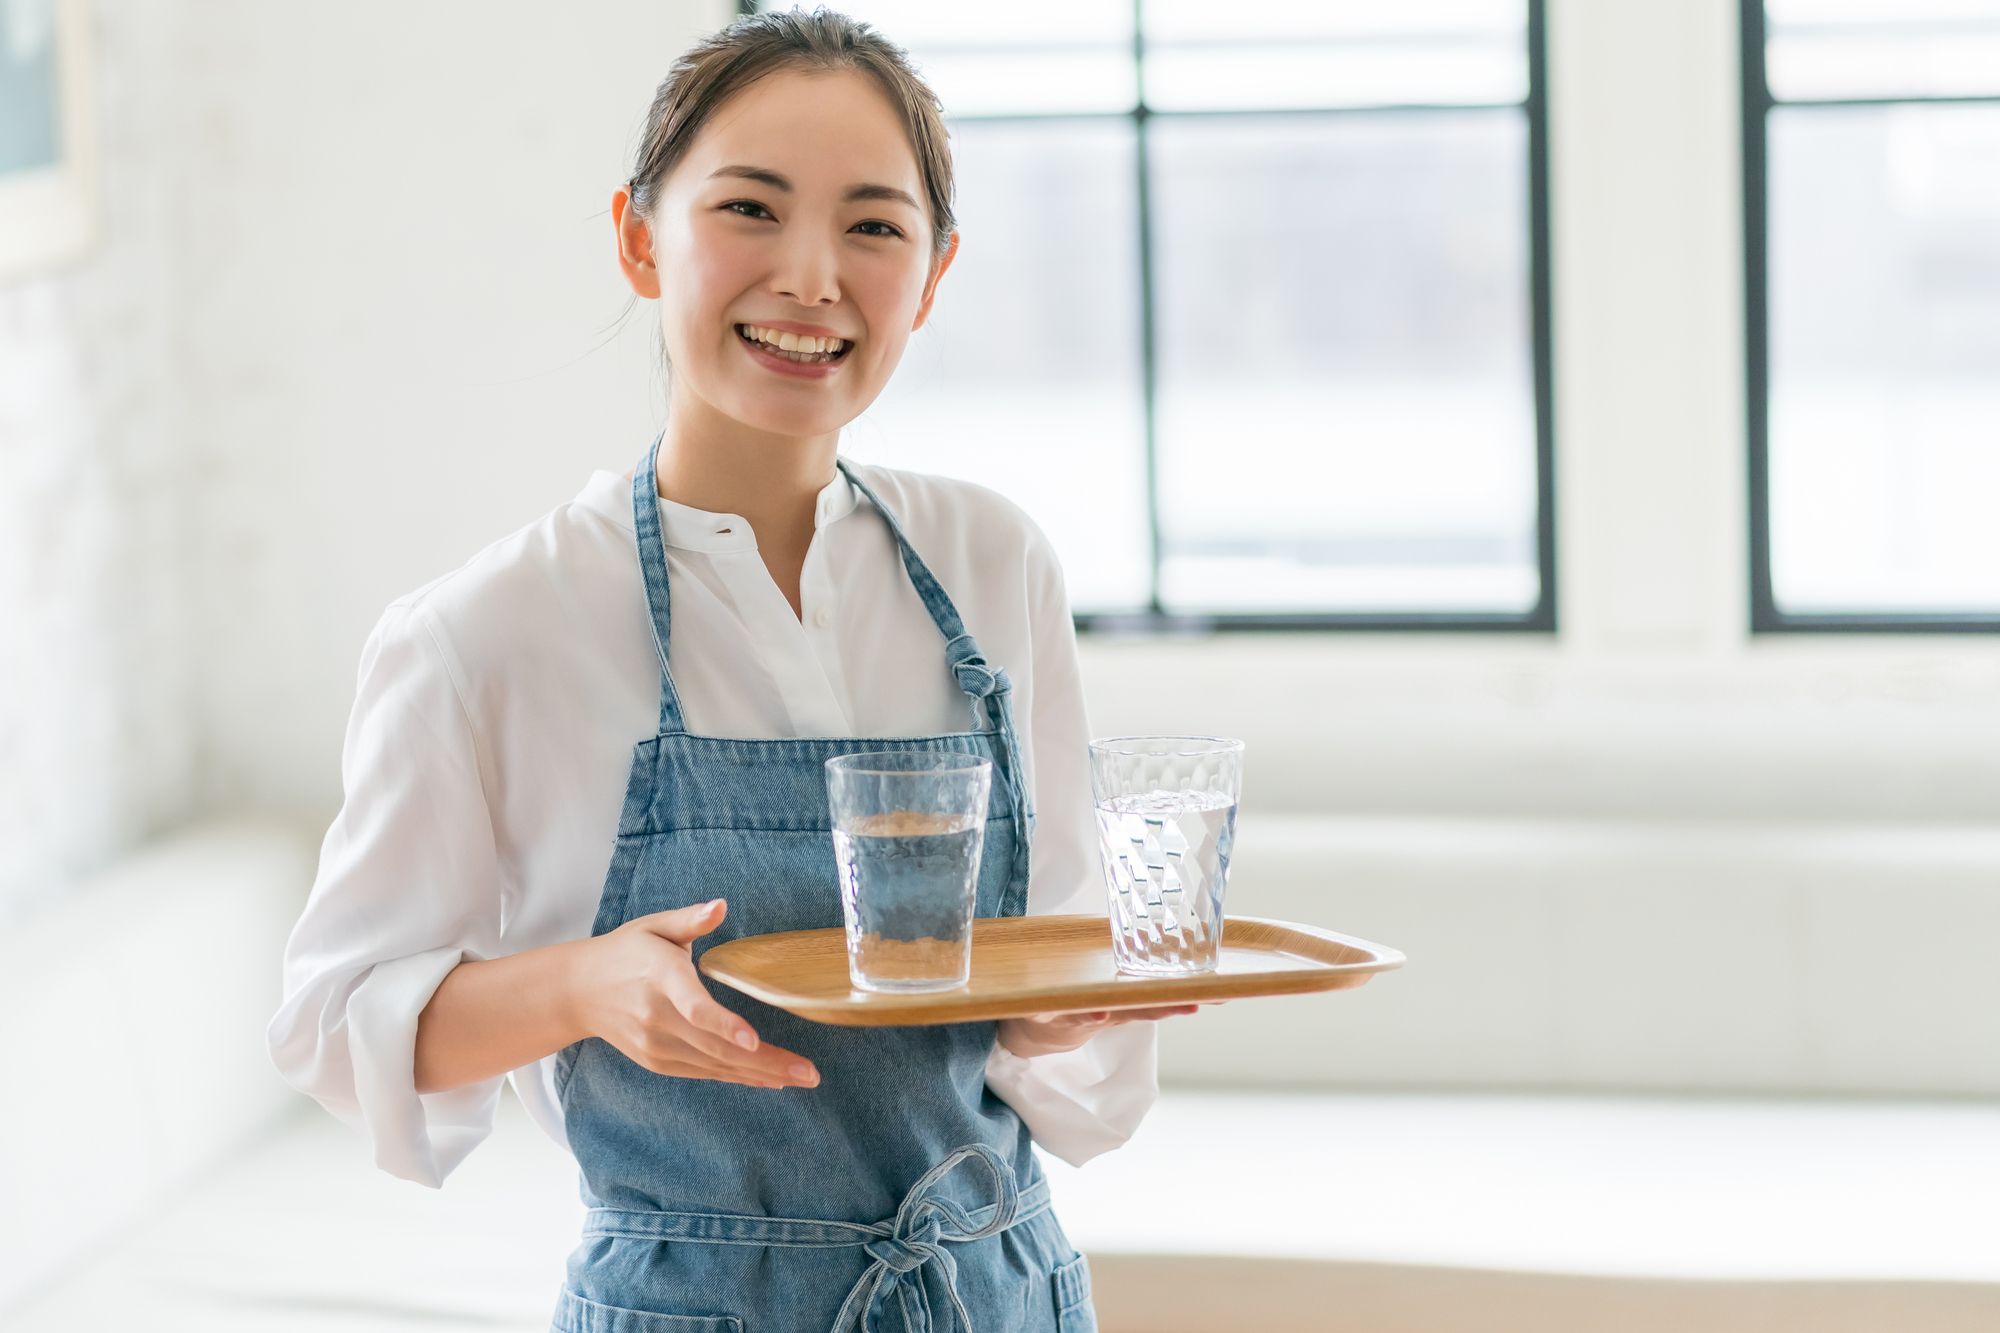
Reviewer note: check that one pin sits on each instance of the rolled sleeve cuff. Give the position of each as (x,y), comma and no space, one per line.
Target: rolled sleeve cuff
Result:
(417,1137)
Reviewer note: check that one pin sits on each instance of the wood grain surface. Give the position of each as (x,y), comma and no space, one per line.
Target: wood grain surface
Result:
(1042,964)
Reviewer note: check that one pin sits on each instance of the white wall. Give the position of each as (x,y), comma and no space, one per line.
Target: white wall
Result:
(355,316)
(399,323)
(98,737)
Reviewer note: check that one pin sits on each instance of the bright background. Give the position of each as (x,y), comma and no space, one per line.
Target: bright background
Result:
(355,314)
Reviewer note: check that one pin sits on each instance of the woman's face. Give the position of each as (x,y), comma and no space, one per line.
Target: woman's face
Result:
(791,253)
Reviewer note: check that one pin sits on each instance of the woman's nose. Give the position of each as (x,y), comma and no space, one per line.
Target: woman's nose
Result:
(808,273)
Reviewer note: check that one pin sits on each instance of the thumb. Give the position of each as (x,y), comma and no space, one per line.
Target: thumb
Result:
(684,925)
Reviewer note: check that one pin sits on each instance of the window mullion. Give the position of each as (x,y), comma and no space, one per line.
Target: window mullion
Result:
(1148,364)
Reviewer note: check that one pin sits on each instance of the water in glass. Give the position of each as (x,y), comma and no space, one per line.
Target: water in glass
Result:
(1166,863)
(908,883)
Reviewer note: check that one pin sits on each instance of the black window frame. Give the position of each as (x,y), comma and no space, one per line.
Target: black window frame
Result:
(1766,617)
(1154,618)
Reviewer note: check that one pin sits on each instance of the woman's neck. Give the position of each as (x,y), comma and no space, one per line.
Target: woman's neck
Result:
(711,462)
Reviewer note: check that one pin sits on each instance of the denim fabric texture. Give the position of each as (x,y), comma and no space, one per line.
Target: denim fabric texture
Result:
(897,1196)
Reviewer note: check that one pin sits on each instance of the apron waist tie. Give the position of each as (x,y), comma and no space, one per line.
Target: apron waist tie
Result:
(900,1247)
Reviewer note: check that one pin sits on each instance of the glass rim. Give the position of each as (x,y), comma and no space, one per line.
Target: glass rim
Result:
(1161,746)
(946,761)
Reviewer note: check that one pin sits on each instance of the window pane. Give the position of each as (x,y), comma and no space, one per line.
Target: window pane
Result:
(1334,53)
(1832,49)
(1027,378)
(1047,82)
(1026,57)
(28,137)
(1204,20)
(1346,414)
(1885,358)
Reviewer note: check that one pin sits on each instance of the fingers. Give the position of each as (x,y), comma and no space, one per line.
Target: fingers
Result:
(724,1037)
(683,987)
(1152,1015)
(1113,1017)
(685,925)
(692,1065)
(1109,1017)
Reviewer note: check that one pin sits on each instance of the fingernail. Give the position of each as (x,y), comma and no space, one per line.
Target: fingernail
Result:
(747,1039)
(803,1072)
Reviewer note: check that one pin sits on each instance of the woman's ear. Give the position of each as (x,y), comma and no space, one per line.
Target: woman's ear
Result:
(930,286)
(635,246)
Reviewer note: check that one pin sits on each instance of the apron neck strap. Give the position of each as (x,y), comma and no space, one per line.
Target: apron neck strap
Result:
(982,682)
(653,570)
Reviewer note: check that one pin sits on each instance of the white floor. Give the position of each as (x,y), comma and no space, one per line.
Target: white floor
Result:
(300,1232)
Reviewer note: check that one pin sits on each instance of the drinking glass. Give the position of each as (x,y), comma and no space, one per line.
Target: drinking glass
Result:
(1166,822)
(908,826)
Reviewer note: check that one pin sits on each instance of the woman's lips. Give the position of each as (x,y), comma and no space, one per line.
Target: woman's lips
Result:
(810,356)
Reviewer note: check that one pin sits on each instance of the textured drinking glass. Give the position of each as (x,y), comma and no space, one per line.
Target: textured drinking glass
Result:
(907,830)
(1166,821)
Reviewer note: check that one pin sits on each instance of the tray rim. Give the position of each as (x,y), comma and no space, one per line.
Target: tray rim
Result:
(875,1009)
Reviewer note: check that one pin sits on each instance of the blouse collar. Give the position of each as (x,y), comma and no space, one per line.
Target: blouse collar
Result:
(689,529)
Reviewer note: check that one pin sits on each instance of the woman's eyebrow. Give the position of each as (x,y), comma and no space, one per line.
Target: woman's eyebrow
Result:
(762,175)
(885,193)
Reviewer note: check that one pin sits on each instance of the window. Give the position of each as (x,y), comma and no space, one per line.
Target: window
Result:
(1251,310)
(1872,191)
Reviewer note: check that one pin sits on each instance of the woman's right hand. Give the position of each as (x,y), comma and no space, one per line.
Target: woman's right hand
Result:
(637,988)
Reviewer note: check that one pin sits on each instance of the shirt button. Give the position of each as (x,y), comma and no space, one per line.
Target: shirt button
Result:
(822,617)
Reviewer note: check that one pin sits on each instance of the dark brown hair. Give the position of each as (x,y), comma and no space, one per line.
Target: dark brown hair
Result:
(750,48)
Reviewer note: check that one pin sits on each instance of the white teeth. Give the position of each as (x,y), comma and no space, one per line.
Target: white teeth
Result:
(797,345)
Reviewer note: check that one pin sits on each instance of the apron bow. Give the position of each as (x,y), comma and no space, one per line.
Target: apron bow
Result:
(914,1240)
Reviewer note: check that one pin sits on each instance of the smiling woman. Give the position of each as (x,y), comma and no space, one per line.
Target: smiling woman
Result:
(641,691)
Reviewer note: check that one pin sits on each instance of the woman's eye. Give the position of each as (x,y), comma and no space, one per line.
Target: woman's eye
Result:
(873,227)
(748,208)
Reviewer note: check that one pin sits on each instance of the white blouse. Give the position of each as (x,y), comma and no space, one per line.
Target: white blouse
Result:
(492,734)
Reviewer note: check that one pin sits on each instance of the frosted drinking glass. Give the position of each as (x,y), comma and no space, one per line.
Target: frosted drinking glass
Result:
(908,827)
(1166,822)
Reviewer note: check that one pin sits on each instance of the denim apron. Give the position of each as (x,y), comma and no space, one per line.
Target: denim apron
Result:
(897,1196)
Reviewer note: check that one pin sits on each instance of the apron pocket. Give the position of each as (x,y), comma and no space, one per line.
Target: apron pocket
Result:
(574,1314)
(1074,1312)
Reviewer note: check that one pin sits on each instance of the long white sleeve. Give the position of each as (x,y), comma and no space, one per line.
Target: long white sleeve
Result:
(371,948)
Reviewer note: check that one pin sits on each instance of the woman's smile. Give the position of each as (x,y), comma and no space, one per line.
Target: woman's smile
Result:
(794,349)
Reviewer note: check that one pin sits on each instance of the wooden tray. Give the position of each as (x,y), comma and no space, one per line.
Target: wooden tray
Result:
(1041,964)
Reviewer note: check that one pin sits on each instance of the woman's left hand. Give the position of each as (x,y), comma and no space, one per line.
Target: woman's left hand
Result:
(1046,1034)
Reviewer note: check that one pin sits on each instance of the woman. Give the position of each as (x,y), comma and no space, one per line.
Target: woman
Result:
(704,638)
